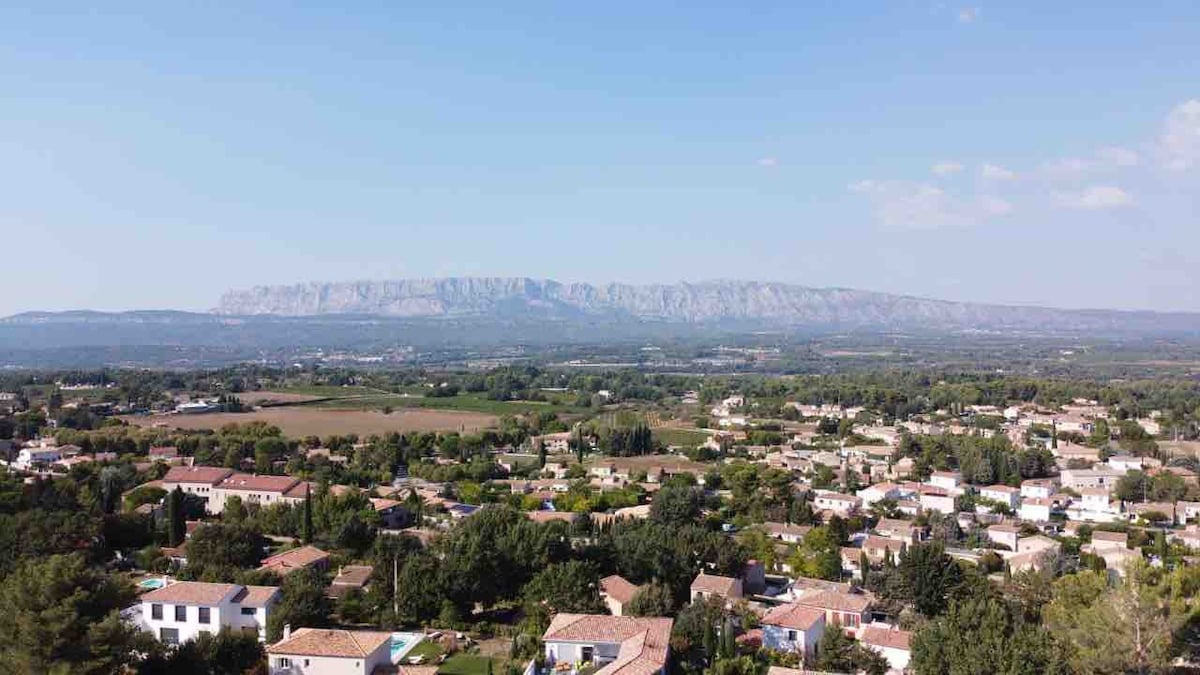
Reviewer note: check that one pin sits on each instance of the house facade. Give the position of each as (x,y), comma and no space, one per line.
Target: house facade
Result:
(793,628)
(616,645)
(184,610)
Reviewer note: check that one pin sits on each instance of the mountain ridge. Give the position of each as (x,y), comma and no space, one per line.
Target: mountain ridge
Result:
(707,302)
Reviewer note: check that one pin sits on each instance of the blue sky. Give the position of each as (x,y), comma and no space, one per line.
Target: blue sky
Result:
(153,156)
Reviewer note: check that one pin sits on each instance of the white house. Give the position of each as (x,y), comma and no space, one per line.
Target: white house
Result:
(251,489)
(1035,509)
(1094,505)
(950,481)
(1010,497)
(786,532)
(1098,477)
(1186,511)
(324,651)
(709,586)
(891,642)
(878,492)
(793,628)
(1038,488)
(29,458)
(619,645)
(933,499)
(1125,463)
(837,502)
(1008,535)
(183,610)
(200,481)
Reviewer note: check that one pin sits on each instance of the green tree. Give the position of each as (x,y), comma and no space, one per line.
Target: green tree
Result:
(176,521)
(652,599)
(675,505)
(566,587)
(307,536)
(303,603)
(837,652)
(62,616)
(929,577)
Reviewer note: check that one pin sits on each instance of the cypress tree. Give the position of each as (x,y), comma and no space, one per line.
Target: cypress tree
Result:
(308,517)
(176,526)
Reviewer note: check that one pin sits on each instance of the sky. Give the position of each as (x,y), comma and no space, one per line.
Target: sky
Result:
(155,155)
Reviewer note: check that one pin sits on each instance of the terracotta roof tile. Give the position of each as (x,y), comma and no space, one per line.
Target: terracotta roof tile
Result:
(191,593)
(331,642)
(210,475)
(881,636)
(794,616)
(619,588)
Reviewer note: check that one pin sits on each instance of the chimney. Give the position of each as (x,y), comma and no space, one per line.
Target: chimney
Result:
(287,631)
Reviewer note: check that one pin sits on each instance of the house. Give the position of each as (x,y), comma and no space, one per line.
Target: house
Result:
(878,492)
(392,514)
(1004,534)
(842,608)
(1035,509)
(350,578)
(1105,541)
(707,586)
(950,481)
(618,645)
(40,456)
(891,642)
(901,529)
(553,444)
(1153,511)
(616,592)
(843,505)
(251,489)
(935,499)
(793,628)
(1186,511)
(876,547)
(1094,505)
(1125,463)
(291,560)
(326,651)
(1038,488)
(792,534)
(1083,479)
(1009,497)
(200,481)
(181,611)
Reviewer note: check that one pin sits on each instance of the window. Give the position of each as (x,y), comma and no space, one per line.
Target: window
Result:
(305,663)
(180,612)
(169,636)
(205,615)
(586,654)
(248,611)
(156,612)
(285,663)
(791,636)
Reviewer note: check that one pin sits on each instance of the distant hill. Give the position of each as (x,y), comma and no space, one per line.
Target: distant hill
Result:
(747,304)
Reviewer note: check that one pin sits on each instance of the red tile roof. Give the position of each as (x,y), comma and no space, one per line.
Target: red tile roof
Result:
(294,559)
(255,483)
(644,641)
(210,475)
(794,616)
(882,636)
(346,644)
(619,588)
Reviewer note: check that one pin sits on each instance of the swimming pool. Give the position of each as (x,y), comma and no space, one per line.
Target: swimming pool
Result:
(151,584)
(402,643)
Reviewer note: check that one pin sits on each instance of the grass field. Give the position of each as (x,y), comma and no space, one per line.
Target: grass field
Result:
(465,664)
(299,420)
(680,437)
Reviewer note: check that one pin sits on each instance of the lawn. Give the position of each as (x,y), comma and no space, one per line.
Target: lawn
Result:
(427,648)
(465,664)
(682,437)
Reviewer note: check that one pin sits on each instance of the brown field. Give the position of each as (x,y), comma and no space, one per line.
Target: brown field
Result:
(1180,448)
(304,421)
(674,462)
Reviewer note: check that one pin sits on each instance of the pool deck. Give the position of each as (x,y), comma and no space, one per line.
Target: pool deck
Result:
(410,640)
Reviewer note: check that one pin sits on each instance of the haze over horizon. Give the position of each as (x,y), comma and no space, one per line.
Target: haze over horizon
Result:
(155,157)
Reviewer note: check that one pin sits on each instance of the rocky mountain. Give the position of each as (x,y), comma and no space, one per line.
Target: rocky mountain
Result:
(742,303)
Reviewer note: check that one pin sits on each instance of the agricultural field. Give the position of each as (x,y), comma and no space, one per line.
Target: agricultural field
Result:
(675,436)
(365,398)
(298,420)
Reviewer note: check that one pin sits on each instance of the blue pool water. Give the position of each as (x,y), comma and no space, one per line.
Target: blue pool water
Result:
(402,643)
(151,584)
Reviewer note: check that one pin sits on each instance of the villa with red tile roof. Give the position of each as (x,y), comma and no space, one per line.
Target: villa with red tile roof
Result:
(793,628)
(251,489)
(328,651)
(291,560)
(619,645)
(616,592)
(181,611)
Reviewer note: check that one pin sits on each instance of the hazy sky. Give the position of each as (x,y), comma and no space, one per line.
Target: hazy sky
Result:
(1023,152)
